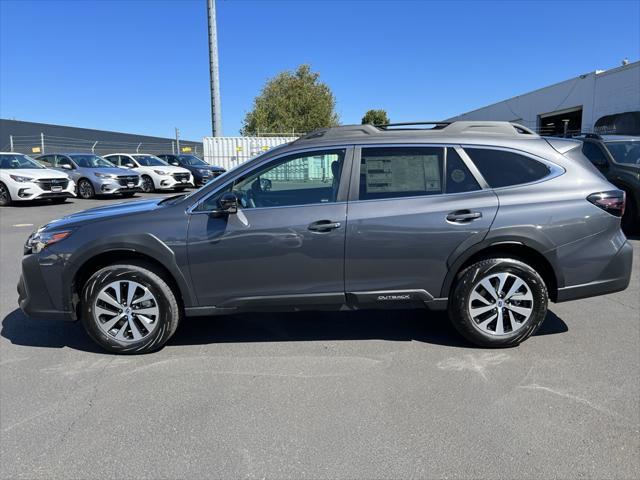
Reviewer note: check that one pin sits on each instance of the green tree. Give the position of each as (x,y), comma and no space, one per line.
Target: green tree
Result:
(292,101)
(375,117)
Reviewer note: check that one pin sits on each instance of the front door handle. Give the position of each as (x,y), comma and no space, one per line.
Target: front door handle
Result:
(461,216)
(323,226)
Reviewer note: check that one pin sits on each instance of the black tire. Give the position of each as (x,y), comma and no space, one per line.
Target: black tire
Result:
(147,184)
(5,195)
(146,275)
(85,189)
(469,279)
(58,201)
(631,217)
(128,194)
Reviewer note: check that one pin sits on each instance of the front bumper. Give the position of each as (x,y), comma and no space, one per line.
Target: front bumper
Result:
(614,278)
(113,187)
(169,182)
(32,191)
(34,298)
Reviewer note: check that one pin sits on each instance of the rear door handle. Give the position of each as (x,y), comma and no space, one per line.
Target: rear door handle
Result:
(324,226)
(461,216)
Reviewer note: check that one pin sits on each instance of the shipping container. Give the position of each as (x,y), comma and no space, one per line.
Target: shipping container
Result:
(229,152)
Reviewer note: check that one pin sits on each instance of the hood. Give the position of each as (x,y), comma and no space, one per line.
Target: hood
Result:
(36,172)
(114,171)
(101,213)
(166,168)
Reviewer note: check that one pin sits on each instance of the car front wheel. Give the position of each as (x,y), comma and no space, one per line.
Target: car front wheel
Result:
(147,184)
(498,302)
(5,196)
(129,308)
(85,189)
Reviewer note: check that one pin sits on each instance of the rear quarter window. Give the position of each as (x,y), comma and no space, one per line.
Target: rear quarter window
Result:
(501,168)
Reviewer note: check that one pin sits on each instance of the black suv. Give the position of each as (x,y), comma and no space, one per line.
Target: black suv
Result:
(202,172)
(618,158)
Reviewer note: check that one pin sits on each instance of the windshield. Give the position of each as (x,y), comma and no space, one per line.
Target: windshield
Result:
(92,161)
(18,161)
(149,161)
(193,161)
(625,151)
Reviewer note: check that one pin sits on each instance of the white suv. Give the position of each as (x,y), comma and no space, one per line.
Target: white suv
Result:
(22,178)
(156,173)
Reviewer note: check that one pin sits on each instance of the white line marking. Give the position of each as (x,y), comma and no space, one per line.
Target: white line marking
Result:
(23,225)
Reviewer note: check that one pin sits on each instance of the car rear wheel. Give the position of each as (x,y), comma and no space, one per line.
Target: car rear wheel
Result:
(147,184)
(5,196)
(85,189)
(498,302)
(129,308)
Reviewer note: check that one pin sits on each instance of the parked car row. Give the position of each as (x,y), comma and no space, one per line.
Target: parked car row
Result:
(58,176)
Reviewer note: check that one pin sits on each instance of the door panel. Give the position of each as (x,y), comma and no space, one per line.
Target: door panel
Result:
(266,252)
(285,245)
(404,243)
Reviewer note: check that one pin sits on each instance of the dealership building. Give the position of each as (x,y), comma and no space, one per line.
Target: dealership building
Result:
(604,101)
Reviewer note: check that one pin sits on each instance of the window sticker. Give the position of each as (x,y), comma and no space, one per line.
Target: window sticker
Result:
(403,174)
(458,176)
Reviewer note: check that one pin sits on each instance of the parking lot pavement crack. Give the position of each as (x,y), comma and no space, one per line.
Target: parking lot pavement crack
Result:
(618,302)
(89,403)
(571,397)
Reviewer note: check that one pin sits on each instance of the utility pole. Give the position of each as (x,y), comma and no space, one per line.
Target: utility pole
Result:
(178,139)
(214,73)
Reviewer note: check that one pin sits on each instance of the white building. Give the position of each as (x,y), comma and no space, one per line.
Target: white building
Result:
(229,152)
(604,101)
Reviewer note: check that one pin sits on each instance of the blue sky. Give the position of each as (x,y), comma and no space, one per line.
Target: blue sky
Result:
(142,66)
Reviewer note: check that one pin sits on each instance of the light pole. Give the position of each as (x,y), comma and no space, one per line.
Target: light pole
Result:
(214,74)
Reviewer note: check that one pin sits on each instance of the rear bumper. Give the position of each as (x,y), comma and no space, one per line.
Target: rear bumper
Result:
(33,296)
(614,278)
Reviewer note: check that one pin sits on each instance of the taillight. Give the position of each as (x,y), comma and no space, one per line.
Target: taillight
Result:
(611,202)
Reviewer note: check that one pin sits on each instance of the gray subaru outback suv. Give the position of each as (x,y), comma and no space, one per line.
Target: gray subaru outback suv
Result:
(485,219)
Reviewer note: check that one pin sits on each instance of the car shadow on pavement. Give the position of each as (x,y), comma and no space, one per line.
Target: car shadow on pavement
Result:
(393,325)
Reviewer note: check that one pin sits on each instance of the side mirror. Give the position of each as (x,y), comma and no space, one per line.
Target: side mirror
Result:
(129,165)
(66,166)
(228,203)
(177,164)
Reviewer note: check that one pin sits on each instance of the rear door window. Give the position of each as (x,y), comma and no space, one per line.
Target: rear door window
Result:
(395,172)
(458,179)
(502,168)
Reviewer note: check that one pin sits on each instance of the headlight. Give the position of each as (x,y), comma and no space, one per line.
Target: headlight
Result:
(20,179)
(104,175)
(161,172)
(40,240)
(204,172)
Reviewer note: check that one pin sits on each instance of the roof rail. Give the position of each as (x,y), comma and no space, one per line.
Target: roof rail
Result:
(438,125)
(461,127)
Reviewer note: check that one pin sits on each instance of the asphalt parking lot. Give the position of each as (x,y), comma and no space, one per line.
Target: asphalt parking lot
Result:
(319,395)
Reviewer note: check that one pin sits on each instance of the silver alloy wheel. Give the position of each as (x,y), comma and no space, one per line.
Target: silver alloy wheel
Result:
(126,311)
(500,304)
(85,189)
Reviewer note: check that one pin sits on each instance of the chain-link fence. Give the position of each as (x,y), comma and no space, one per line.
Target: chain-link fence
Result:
(42,144)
